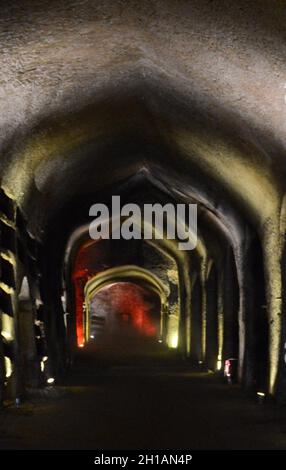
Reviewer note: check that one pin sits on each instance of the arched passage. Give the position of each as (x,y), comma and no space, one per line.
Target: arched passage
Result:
(124,276)
(123,318)
(155,104)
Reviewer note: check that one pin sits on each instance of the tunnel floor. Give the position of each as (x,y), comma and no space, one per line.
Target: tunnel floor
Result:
(151,403)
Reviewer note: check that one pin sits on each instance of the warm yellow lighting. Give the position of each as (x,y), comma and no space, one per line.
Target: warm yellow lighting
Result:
(7,327)
(261,398)
(7,335)
(92,336)
(173,276)
(173,330)
(6,221)
(219,363)
(50,380)
(5,288)
(42,366)
(160,341)
(8,367)
(174,341)
(45,358)
(8,257)
(81,345)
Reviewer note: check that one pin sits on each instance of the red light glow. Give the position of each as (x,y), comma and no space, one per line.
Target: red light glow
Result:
(131,302)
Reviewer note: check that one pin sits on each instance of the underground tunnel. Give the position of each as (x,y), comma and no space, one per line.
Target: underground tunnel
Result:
(157,103)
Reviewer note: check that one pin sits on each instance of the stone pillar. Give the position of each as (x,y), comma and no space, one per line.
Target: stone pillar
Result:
(212,319)
(230,307)
(196,321)
(255,366)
